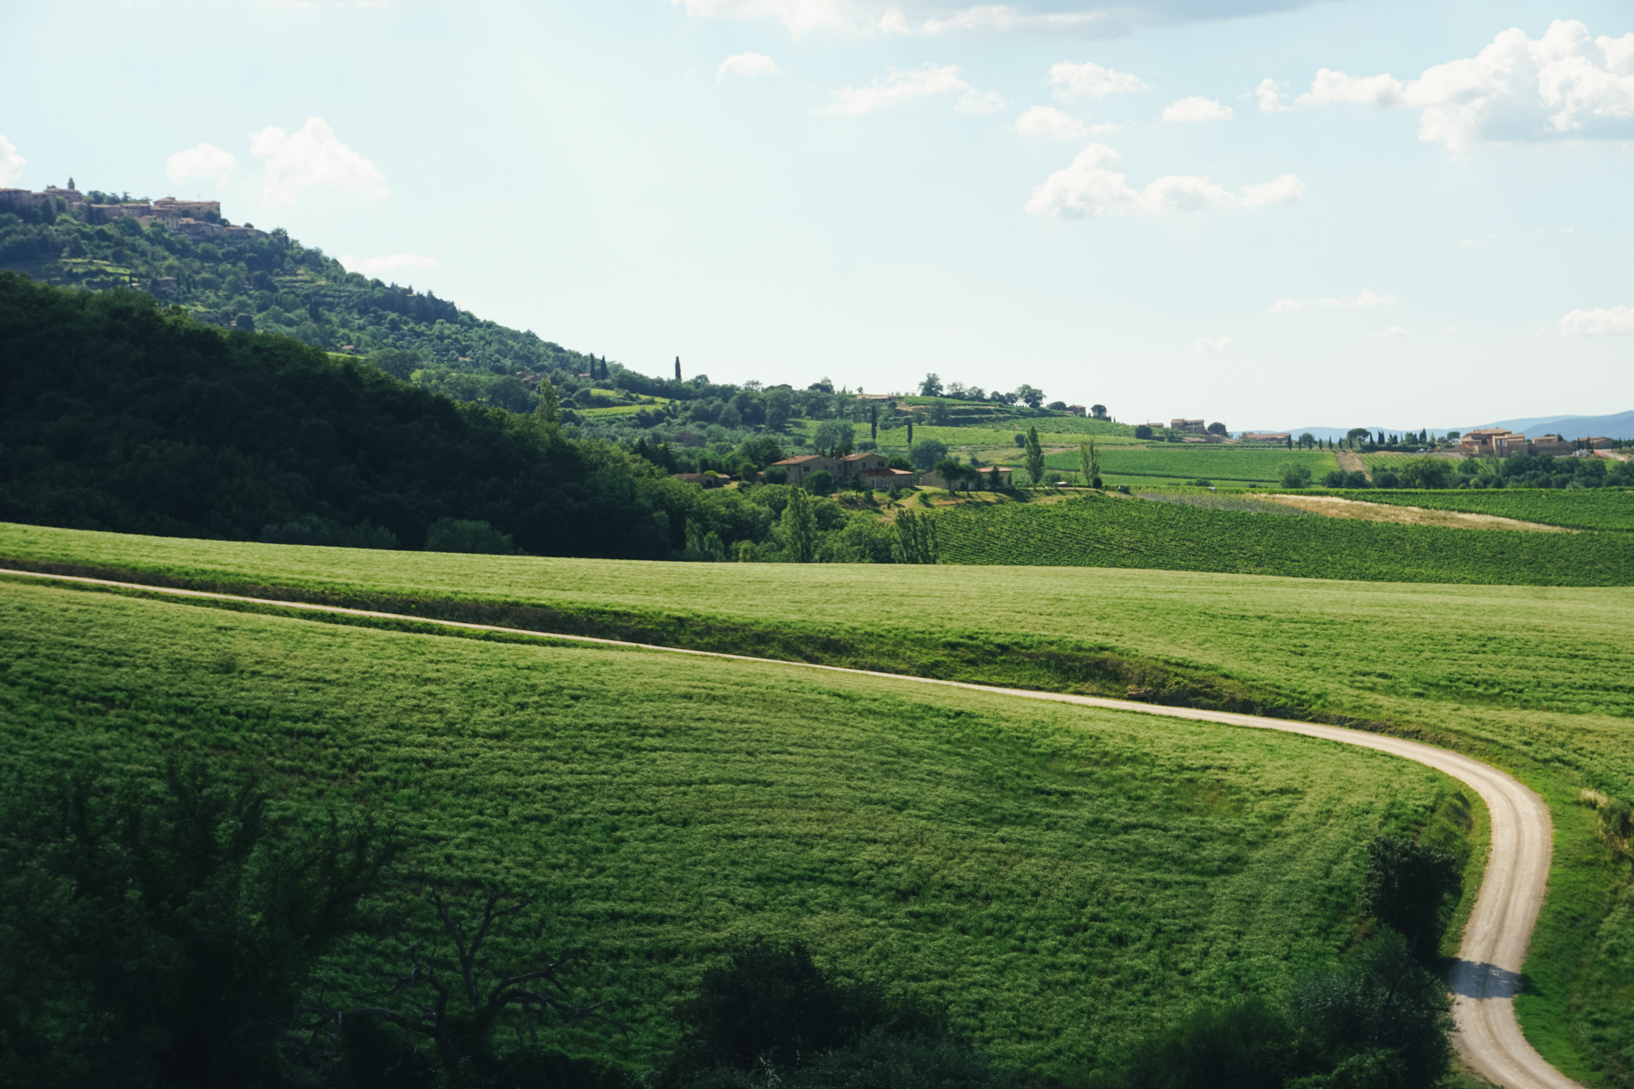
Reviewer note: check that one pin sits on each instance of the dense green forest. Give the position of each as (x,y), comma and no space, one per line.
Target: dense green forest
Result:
(275,284)
(118,414)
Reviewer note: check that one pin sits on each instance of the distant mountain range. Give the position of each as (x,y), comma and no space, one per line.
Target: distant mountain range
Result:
(1616,426)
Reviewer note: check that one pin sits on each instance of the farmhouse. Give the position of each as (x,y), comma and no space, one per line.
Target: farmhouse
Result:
(934,479)
(1493,441)
(1189,427)
(799,468)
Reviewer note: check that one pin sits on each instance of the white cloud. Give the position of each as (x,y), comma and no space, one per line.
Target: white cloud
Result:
(1565,84)
(1049,123)
(204,161)
(1362,301)
(1093,185)
(1330,87)
(1082,18)
(974,101)
(1392,332)
(899,86)
(1197,108)
(1473,243)
(11,163)
(748,65)
(1011,19)
(311,157)
(1611,319)
(1269,92)
(1212,344)
(801,17)
(381,268)
(1090,80)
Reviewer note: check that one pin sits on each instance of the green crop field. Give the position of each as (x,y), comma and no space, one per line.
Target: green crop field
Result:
(1189,461)
(1099,531)
(1579,508)
(1534,678)
(1059,878)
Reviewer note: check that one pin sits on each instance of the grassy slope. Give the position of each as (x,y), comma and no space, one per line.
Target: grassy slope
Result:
(1586,508)
(1103,531)
(1190,461)
(1060,877)
(1534,678)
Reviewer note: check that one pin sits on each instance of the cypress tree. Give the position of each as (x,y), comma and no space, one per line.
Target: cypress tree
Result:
(677,368)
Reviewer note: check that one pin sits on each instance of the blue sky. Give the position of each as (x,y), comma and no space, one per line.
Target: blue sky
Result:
(1270,213)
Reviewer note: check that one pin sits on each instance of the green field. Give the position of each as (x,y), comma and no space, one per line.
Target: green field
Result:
(1579,508)
(1101,531)
(1535,679)
(1190,461)
(1059,878)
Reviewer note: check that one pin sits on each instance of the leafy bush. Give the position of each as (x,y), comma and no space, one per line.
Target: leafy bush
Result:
(457,535)
(1291,474)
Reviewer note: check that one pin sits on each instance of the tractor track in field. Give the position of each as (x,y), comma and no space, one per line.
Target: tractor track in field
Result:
(1486,976)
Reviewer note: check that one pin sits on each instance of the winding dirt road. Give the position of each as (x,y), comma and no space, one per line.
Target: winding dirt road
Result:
(1487,975)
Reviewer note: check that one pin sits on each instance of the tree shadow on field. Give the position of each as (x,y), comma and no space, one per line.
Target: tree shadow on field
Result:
(1470,979)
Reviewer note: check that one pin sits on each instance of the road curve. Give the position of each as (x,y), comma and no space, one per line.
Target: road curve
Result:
(1487,974)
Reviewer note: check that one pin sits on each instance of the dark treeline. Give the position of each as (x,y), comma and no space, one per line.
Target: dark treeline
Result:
(117,414)
(183,930)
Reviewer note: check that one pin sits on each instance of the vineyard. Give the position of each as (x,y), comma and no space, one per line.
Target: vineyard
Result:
(1058,878)
(1102,531)
(1193,461)
(1579,508)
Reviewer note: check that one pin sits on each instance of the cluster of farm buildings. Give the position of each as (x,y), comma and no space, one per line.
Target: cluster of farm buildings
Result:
(197,218)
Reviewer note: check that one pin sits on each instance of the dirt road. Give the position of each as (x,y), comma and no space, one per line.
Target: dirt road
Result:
(1487,975)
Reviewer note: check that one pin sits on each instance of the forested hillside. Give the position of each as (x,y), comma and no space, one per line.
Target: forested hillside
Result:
(275,284)
(119,415)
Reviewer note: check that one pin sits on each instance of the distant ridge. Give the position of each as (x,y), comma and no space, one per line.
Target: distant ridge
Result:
(1617,426)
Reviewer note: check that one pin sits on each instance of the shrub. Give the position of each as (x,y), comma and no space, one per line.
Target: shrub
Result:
(1293,475)
(458,535)
(1142,431)
(820,483)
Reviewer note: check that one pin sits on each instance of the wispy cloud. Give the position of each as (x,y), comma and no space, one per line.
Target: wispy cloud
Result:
(1610,319)
(1196,108)
(203,161)
(11,163)
(1049,123)
(1212,344)
(1093,185)
(1358,302)
(748,65)
(383,267)
(1269,93)
(1075,82)
(1390,332)
(899,86)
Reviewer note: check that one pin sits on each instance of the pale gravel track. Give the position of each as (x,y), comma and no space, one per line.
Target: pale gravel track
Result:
(1486,977)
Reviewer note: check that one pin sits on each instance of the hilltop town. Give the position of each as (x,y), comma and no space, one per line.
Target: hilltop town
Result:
(197,218)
